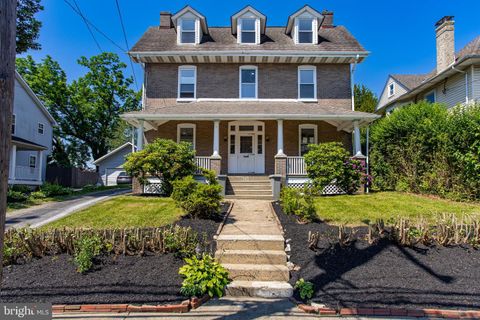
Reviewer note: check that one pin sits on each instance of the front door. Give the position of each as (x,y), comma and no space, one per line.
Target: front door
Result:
(246,147)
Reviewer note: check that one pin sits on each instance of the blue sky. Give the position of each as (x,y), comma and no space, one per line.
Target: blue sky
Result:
(400,37)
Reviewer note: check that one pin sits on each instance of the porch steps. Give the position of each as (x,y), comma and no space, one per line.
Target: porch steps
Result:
(249,187)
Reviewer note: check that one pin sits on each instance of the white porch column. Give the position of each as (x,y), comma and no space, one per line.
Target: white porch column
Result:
(40,165)
(356,137)
(13,163)
(216,138)
(280,138)
(140,132)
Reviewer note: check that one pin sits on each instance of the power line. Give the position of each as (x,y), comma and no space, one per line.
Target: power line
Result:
(88,26)
(126,42)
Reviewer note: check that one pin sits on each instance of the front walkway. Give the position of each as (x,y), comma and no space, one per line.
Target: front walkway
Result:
(38,216)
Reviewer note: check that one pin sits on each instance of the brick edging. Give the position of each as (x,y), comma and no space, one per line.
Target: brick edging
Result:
(398,312)
(183,307)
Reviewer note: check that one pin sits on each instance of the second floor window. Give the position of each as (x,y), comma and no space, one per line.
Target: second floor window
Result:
(40,128)
(248,31)
(307,83)
(305,31)
(187,82)
(248,82)
(188,31)
(13,123)
(391,89)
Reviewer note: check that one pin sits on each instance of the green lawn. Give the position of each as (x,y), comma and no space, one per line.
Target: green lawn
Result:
(362,208)
(123,211)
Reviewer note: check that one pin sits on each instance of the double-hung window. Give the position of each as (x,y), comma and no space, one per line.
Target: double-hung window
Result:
(188,31)
(307,135)
(41,128)
(305,30)
(186,133)
(187,78)
(32,161)
(307,83)
(248,82)
(14,123)
(248,31)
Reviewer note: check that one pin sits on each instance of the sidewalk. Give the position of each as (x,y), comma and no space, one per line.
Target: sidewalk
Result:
(38,216)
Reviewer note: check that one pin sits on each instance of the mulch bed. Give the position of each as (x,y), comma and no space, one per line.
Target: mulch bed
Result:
(382,275)
(150,279)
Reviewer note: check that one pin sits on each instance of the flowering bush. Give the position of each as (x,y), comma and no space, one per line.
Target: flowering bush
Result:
(354,175)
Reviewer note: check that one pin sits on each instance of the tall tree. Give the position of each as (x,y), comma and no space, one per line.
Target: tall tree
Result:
(365,99)
(28,27)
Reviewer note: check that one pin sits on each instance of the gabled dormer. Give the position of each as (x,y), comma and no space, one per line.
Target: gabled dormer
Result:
(190,26)
(303,25)
(249,25)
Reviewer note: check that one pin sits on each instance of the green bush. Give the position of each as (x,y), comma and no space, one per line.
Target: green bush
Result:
(203,276)
(299,202)
(53,190)
(305,289)
(86,249)
(163,159)
(200,200)
(21,188)
(38,195)
(16,196)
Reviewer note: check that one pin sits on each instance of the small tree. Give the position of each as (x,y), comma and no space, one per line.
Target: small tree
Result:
(163,159)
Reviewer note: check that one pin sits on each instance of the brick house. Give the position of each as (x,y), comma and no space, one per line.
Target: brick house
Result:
(249,97)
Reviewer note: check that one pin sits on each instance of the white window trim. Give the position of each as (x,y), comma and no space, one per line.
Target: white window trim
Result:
(43,128)
(388,89)
(188,125)
(180,30)
(314,83)
(14,123)
(30,161)
(314,30)
(434,95)
(187,67)
(240,82)
(306,126)
(240,30)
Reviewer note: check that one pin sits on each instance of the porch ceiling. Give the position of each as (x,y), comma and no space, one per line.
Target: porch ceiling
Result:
(250,110)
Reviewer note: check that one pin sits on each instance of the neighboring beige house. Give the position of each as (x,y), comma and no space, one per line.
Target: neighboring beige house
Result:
(454,81)
(249,97)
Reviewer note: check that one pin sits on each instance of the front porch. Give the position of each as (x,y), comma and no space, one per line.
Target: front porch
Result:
(26,163)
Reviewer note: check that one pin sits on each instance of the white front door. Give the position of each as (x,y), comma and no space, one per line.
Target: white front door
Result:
(246,147)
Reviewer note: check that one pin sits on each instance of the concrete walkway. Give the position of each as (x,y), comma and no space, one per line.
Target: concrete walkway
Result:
(251,246)
(40,215)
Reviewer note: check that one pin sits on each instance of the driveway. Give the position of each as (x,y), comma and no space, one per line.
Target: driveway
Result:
(40,215)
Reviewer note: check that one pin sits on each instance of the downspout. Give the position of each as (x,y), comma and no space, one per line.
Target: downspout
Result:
(466,82)
(352,83)
(367,154)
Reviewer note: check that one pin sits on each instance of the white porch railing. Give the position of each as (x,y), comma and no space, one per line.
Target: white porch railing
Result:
(202,163)
(296,166)
(26,173)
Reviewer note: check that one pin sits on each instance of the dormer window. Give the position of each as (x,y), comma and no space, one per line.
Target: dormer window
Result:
(188,32)
(305,30)
(248,30)
(303,25)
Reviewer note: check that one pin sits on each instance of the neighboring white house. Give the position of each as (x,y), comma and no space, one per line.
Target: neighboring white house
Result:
(32,135)
(454,81)
(111,165)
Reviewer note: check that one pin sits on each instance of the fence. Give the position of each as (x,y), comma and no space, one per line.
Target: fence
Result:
(71,177)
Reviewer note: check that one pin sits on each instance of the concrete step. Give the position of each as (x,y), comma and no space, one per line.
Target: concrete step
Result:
(248,178)
(251,256)
(264,289)
(250,186)
(250,242)
(230,229)
(267,192)
(257,272)
(249,197)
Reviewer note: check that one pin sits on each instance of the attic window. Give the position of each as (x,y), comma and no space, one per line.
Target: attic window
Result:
(188,32)
(248,31)
(305,30)
(391,89)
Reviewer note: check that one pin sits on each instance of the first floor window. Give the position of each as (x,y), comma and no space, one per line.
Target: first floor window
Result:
(40,128)
(307,83)
(307,136)
(14,120)
(430,97)
(248,83)
(187,82)
(186,133)
(33,161)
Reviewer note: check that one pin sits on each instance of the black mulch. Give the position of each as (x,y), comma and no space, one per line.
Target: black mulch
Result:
(383,274)
(151,279)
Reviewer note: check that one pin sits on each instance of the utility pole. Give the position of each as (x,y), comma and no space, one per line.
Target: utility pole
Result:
(8,17)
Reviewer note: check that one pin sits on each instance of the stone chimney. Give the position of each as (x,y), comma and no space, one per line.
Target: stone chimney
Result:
(445,34)
(165,20)
(328,19)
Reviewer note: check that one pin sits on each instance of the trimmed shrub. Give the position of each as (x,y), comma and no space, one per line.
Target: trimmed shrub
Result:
(53,190)
(163,159)
(203,276)
(299,202)
(16,196)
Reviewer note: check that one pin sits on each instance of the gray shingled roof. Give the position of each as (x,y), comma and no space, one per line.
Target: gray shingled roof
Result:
(220,38)
(472,48)
(410,81)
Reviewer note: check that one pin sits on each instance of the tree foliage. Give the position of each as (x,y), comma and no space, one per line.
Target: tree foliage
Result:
(28,27)
(365,99)
(88,109)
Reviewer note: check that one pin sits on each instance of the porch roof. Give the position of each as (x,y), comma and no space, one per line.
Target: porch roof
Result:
(27,144)
(250,110)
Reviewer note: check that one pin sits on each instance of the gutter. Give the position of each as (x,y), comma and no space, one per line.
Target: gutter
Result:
(352,54)
(250,116)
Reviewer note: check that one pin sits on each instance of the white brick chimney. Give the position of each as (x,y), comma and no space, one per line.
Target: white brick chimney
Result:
(445,34)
